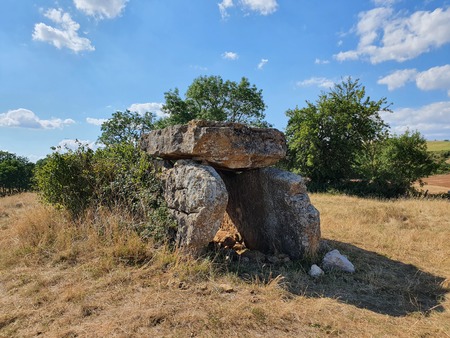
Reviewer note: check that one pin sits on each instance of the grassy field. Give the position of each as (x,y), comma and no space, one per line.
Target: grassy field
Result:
(60,278)
(438,145)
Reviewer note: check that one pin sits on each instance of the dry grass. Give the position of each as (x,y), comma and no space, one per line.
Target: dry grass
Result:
(63,279)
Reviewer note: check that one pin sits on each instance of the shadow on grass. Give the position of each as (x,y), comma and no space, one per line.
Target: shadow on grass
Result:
(379,284)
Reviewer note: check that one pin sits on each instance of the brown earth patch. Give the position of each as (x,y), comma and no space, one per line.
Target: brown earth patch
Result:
(437,184)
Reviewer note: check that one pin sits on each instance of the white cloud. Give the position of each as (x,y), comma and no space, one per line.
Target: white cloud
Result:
(435,78)
(432,120)
(263,7)
(102,9)
(65,34)
(398,78)
(96,122)
(262,63)
(432,79)
(24,118)
(230,56)
(321,62)
(151,107)
(321,82)
(385,35)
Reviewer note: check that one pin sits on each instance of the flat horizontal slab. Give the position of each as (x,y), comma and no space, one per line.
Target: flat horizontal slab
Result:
(222,145)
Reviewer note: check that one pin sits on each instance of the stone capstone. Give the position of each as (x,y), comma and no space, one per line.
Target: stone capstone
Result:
(221,145)
(197,198)
(271,210)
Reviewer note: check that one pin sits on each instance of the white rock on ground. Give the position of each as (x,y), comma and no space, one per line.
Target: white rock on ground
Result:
(315,271)
(334,260)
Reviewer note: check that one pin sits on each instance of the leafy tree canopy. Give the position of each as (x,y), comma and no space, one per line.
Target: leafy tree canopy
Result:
(341,142)
(16,173)
(125,127)
(324,137)
(212,98)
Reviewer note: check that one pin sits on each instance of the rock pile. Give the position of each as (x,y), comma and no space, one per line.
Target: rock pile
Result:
(222,174)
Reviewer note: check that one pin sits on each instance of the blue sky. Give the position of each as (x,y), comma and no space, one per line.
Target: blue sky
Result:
(67,65)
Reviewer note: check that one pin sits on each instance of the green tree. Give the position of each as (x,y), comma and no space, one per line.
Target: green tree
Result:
(125,127)
(325,137)
(16,173)
(398,162)
(212,98)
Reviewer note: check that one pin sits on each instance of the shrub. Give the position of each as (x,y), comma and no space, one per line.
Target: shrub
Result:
(66,179)
(118,177)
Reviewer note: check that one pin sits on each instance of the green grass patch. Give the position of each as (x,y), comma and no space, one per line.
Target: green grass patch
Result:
(438,145)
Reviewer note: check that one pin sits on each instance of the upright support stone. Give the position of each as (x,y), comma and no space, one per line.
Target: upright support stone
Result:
(272,211)
(197,198)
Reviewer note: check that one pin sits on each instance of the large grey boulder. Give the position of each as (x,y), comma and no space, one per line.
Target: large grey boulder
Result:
(222,145)
(272,211)
(197,198)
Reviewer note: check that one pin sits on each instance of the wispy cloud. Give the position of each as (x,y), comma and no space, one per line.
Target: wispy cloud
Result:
(436,78)
(198,67)
(384,2)
(321,82)
(230,56)
(262,63)
(24,118)
(95,122)
(101,9)
(263,7)
(387,35)
(321,62)
(64,35)
(224,6)
(150,107)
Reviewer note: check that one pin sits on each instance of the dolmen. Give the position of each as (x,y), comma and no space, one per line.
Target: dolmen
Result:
(221,172)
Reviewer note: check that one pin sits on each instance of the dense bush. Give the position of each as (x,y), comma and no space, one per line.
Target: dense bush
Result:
(442,158)
(119,177)
(66,179)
